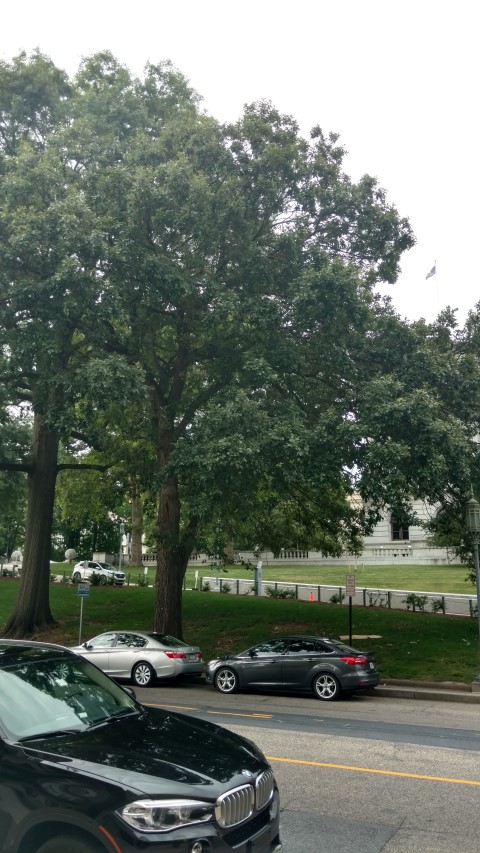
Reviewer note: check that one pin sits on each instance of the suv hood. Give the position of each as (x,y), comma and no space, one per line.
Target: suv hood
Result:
(150,754)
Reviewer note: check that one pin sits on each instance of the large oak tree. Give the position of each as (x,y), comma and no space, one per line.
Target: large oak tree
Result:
(233,269)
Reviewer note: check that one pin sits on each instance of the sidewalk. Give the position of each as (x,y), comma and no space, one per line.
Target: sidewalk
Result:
(447,691)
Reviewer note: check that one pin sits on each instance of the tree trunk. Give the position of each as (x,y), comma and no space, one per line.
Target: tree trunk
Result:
(137,525)
(31,614)
(171,564)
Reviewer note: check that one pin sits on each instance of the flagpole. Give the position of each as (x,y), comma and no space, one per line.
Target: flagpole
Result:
(433,271)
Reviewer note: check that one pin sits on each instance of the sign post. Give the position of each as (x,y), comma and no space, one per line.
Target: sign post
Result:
(350,592)
(258,578)
(83,590)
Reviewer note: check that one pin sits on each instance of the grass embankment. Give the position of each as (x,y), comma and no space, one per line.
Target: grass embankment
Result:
(411,645)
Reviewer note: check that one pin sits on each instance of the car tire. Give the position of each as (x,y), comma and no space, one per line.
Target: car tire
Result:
(72,843)
(103,579)
(77,577)
(142,674)
(226,680)
(326,687)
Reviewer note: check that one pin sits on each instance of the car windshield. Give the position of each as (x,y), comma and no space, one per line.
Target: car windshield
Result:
(52,694)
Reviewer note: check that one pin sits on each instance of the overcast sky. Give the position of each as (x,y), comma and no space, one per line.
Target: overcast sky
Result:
(398,81)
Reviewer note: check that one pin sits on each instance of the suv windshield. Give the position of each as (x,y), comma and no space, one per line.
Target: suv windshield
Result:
(56,693)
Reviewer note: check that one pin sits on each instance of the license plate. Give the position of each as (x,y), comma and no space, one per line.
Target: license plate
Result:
(192,657)
(371,665)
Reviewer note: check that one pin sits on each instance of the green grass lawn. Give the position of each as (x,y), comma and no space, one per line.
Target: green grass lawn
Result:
(398,576)
(410,645)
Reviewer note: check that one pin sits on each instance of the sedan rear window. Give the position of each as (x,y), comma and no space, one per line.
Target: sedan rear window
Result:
(167,640)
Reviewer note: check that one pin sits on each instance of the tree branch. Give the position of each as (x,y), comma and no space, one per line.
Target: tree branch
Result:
(63,466)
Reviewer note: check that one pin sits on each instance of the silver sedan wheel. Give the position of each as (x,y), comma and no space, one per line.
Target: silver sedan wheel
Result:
(326,687)
(226,680)
(142,674)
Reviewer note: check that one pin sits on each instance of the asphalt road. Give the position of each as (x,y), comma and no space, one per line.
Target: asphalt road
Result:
(364,774)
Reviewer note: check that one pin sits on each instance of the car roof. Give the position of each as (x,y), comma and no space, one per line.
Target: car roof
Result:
(18,651)
(298,637)
(152,634)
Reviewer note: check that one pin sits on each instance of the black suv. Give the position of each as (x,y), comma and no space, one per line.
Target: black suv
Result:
(84,768)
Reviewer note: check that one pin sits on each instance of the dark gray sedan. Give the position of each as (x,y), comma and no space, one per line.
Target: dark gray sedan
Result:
(325,667)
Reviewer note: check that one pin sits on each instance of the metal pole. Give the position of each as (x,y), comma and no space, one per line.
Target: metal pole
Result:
(122,531)
(81,617)
(473,527)
(477,577)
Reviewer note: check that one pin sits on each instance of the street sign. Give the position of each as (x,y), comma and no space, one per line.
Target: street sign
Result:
(83,590)
(350,586)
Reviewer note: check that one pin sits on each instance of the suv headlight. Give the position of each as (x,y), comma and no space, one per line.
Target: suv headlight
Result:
(165,815)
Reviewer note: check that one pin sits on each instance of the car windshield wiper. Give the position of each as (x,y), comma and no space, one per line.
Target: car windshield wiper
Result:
(124,712)
(53,733)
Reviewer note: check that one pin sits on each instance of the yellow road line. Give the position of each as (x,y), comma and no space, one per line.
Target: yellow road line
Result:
(175,707)
(374,771)
(220,713)
(232,714)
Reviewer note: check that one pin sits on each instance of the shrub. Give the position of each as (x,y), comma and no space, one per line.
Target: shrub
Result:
(225,587)
(337,598)
(95,579)
(206,586)
(376,599)
(280,593)
(437,605)
(415,602)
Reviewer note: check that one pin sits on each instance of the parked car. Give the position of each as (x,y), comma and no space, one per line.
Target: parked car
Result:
(325,667)
(85,768)
(86,568)
(141,656)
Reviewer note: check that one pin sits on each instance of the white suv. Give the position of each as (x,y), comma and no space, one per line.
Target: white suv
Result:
(84,571)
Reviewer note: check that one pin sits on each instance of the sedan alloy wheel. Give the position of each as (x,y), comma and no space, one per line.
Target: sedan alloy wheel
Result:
(226,680)
(326,687)
(142,674)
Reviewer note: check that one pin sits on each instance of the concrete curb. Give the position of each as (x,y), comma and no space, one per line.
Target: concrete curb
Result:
(428,690)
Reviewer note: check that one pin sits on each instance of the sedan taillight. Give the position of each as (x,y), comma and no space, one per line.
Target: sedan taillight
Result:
(355,659)
(176,655)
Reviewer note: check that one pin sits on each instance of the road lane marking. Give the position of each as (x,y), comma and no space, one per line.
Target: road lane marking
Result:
(232,714)
(220,713)
(175,707)
(374,771)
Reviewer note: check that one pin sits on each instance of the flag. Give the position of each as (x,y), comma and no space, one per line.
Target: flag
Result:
(432,271)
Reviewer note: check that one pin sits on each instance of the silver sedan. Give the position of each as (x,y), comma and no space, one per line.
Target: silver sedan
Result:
(141,656)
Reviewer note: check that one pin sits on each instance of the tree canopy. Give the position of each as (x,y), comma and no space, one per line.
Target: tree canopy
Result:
(206,292)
